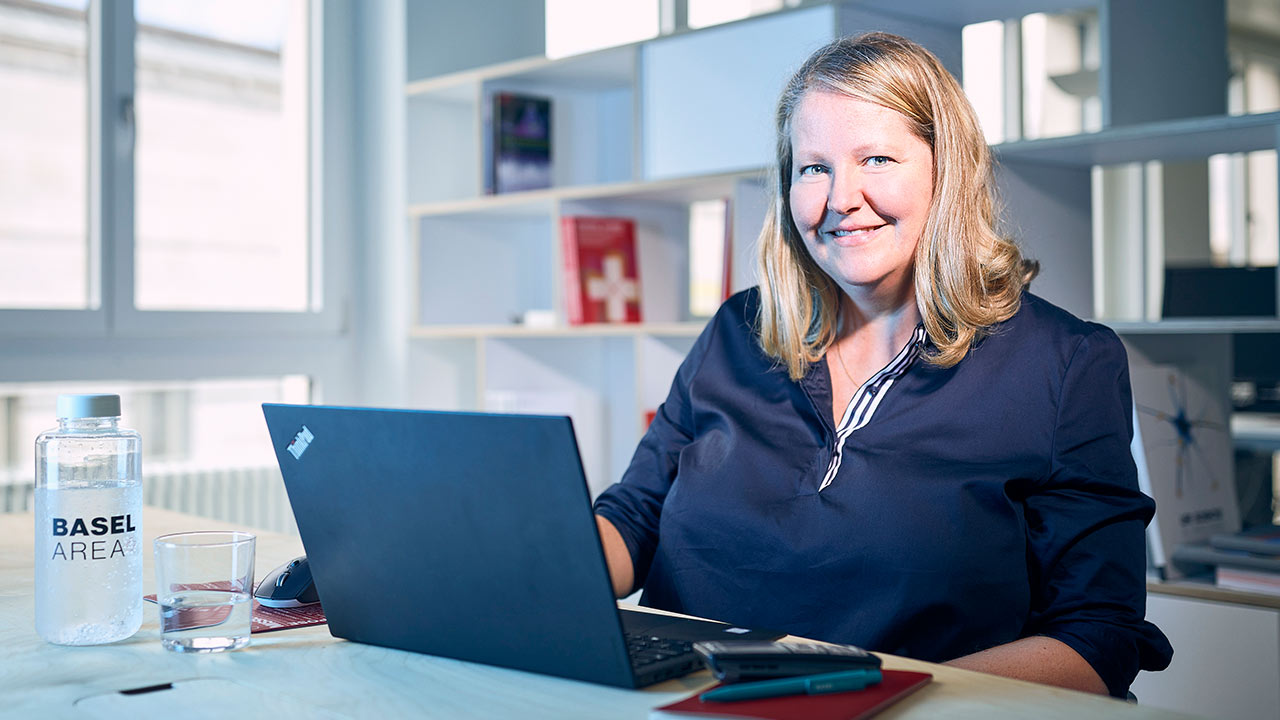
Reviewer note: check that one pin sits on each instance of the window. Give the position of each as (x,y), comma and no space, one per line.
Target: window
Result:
(983,72)
(221,161)
(207,132)
(1262,94)
(1034,77)
(204,423)
(159,157)
(1243,214)
(44,246)
(578,26)
(1060,75)
(705,13)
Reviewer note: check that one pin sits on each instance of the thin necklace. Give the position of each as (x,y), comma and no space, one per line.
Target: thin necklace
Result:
(839,353)
(840,359)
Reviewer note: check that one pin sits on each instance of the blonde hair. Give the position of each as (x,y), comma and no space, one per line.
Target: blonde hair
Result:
(968,277)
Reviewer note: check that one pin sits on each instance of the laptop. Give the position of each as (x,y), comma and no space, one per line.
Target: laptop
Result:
(471,536)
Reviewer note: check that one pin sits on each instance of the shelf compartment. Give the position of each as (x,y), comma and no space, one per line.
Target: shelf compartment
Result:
(593,117)
(482,270)
(592,128)
(1095,246)
(662,214)
(442,146)
(592,113)
(662,251)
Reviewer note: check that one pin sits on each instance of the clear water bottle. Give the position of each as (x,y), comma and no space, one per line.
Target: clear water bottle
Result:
(88,524)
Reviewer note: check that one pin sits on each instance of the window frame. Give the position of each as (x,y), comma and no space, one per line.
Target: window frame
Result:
(112,30)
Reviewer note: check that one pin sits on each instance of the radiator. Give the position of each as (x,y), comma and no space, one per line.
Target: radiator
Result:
(235,497)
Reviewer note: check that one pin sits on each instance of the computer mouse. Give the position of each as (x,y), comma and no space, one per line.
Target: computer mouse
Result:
(288,586)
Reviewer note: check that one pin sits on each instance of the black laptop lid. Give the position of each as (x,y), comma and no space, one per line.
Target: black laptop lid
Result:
(466,535)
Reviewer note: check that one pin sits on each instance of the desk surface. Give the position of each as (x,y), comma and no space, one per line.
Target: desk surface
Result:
(307,673)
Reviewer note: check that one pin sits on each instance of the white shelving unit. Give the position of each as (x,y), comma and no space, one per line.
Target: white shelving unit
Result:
(1054,224)
(640,131)
(644,130)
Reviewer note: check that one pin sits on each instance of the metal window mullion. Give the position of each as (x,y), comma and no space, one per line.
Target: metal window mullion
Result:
(111,144)
(673,16)
(1011,80)
(319,244)
(10,420)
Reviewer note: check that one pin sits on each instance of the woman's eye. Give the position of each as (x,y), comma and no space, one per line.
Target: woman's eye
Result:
(812,170)
(878,161)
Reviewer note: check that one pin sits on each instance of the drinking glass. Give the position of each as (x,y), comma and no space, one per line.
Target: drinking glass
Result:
(204,587)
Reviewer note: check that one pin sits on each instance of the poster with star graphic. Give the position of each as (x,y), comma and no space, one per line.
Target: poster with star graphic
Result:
(1186,462)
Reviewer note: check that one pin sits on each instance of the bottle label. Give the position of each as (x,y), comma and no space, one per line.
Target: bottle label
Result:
(88,563)
(104,549)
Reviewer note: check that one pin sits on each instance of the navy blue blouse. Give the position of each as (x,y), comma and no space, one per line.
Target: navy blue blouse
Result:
(982,503)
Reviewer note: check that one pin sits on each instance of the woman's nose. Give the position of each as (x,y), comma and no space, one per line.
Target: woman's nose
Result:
(845,195)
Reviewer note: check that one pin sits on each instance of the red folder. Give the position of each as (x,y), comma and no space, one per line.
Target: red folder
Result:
(853,705)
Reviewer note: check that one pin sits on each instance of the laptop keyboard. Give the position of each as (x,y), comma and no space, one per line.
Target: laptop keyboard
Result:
(661,646)
(649,649)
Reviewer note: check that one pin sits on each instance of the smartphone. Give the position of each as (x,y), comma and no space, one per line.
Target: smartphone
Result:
(747,660)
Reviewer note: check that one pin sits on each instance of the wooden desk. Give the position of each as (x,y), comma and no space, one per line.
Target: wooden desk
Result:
(307,673)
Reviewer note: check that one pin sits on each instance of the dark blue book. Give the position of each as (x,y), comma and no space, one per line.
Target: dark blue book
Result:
(1193,557)
(521,144)
(1261,541)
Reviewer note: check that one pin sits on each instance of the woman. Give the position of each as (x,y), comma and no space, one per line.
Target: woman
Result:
(890,443)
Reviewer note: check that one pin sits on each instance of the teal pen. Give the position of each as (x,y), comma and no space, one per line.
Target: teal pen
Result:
(807,685)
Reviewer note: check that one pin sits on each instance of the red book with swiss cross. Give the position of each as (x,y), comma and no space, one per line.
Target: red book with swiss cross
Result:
(602,279)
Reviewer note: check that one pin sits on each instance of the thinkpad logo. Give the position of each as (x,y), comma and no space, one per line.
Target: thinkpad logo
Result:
(300,443)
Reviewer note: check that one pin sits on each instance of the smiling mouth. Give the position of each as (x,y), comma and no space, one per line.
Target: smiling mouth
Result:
(839,234)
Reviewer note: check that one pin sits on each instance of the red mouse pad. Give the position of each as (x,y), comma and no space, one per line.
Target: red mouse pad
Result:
(265,619)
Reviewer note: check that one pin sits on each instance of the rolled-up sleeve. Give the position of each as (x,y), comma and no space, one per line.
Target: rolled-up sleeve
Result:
(634,504)
(1086,524)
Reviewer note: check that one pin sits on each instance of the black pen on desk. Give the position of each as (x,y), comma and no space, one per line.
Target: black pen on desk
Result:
(806,685)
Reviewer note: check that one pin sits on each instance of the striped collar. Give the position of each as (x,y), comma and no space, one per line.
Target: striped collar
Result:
(867,399)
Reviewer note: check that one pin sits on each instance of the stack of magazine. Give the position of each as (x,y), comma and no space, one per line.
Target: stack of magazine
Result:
(1248,560)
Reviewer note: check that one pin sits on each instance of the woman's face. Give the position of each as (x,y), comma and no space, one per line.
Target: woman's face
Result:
(861,184)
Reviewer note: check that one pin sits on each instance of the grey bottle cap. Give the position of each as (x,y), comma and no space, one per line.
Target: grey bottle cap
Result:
(88,406)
